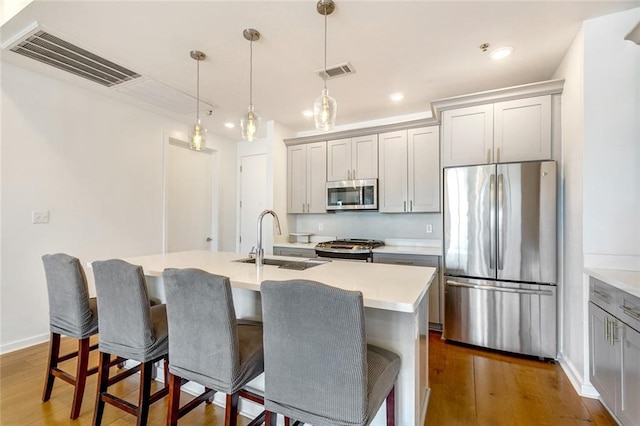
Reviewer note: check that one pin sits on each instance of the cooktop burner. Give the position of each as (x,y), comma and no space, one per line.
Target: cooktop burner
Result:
(351,243)
(350,248)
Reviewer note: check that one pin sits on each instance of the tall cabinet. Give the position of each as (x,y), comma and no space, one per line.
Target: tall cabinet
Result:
(409,171)
(306,178)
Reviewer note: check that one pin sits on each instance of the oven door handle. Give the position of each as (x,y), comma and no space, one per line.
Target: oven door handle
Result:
(499,289)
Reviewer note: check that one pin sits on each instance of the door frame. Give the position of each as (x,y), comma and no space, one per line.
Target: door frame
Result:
(180,142)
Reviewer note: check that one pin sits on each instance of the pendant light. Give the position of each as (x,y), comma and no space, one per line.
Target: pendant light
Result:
(250,122)
(197,133)
(324,108)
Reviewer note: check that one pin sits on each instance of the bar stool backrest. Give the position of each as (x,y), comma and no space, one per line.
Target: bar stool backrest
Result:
(315,350)
(125,322)
(69,311)
(200,312)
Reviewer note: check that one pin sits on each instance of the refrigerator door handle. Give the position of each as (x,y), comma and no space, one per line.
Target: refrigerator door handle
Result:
(500,220)
(499,289)
(492,230)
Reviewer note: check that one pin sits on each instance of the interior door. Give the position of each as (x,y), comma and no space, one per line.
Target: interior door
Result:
(253,200)
(469,221)
(190,219)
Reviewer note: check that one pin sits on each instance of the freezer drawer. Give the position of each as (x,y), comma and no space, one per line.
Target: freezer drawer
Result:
(512,317)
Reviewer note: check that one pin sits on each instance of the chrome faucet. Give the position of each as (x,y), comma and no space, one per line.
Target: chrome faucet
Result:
(259,250)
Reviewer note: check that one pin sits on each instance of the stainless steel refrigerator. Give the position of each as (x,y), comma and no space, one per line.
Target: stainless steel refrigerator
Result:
(500,256)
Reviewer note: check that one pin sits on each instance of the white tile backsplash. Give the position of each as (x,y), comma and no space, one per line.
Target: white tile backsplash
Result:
(374,225)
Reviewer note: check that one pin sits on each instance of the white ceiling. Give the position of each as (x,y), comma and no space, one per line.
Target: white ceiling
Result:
(426,49)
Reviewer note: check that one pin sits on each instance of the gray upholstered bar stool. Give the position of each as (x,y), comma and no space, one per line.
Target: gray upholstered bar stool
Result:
(129,328)
(319,368)
(71,313)
(207,344)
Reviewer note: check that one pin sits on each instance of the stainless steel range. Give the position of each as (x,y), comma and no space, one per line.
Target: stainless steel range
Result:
(348,249)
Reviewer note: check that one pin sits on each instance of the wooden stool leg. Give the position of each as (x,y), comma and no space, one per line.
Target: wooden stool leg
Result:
(81,376)
(174,400)
(391,407)
(54,351)
(147,370)
(231,410)
(270,419)
(103,384)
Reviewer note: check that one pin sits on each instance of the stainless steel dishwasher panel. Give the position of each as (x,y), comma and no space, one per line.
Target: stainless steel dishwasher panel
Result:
(512,317)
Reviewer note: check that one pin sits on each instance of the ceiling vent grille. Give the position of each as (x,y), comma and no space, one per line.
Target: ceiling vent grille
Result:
(336,71)
(66,56)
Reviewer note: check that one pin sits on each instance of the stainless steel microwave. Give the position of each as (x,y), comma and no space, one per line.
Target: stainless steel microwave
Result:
(359,194)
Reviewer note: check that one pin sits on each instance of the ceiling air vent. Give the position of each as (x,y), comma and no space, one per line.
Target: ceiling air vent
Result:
(47,48)
(336,71)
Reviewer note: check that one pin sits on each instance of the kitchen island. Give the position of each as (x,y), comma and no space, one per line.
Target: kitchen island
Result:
(395,299)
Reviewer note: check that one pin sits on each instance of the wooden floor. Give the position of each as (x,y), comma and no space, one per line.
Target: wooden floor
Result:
(468,387)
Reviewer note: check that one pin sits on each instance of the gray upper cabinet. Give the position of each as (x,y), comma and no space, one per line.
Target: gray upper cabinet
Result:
(409,170)
(502,132)
(306,178)
(352,158)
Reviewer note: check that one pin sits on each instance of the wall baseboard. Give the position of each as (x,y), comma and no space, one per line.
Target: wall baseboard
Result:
(25,343)
(584,389)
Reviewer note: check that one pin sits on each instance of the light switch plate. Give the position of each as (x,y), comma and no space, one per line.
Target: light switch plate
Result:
(40,216)
(429,228)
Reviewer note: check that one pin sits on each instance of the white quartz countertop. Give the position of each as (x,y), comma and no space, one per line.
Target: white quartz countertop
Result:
(310,246)
(413,250)
(388,287)
(628,281)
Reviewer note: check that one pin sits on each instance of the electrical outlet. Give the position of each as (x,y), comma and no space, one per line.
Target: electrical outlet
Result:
(320,226)
(429,228)
(41,216)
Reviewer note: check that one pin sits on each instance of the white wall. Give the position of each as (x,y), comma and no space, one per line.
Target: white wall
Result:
(612,142)
(573,312)
(96,165)
(600,166)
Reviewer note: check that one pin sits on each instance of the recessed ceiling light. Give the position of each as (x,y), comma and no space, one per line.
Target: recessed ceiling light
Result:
(501,52)
(229,125)
(307,113)
(396,96)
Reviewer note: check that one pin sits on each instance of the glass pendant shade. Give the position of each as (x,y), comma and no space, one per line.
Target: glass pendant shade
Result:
(197,136)
(324,111)
(197,132)
(250,125)
(251,121)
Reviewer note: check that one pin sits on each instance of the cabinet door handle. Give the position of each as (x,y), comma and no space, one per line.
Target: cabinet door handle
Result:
(489,156)
(606,329)
(631,312)
(404,206)
(410,205)
(498,155)
(353,174)
(600,295)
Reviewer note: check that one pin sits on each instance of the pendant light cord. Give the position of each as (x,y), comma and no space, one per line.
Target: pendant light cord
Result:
(324,75)
(198,90)
(251,71)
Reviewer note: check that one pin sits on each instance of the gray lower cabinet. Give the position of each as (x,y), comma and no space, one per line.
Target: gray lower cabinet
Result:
(614,346)
(294,252)
(435,291)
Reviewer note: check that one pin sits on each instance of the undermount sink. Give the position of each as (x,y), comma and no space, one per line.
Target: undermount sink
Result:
(286,264)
